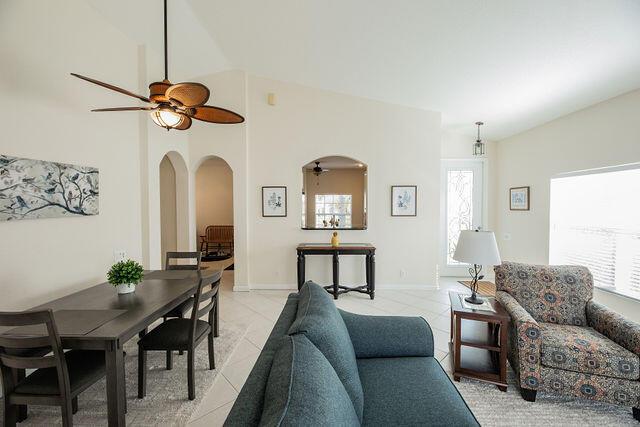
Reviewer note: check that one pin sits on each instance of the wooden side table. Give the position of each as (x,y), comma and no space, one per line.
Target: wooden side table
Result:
(479,342)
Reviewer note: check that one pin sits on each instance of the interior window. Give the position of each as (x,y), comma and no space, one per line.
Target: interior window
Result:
(333,210)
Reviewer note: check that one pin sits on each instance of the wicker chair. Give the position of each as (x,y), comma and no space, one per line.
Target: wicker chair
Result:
(561,341)
(219,237)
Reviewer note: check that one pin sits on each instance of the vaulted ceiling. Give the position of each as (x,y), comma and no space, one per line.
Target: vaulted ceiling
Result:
(514,64)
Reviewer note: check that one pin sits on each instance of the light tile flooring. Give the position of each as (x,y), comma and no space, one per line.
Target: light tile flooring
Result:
(259,310)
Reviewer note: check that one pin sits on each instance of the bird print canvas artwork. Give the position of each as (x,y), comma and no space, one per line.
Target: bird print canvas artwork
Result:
(32,189)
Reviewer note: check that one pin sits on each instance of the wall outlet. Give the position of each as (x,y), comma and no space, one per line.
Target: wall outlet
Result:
(403,272)
(506,236)
(119,255)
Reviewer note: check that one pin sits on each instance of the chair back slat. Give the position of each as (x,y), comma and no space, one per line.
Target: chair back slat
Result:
(25,342)
(201,296)
(33,352)
(26,362)
(195,256)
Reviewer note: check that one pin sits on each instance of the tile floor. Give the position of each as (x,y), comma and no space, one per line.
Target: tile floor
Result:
(259,311)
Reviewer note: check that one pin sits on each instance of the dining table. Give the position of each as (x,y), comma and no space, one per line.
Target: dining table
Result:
(98,318)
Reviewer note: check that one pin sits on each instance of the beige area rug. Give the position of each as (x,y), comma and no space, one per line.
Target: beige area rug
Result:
(487,289)
(495,408)
(166,402)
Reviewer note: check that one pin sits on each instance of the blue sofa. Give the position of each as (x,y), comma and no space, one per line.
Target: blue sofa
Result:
(324,366)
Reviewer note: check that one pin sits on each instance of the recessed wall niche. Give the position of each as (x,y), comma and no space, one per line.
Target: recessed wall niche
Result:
(334,194)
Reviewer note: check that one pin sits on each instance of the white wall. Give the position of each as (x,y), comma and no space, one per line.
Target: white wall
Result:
(168,205)
(605,134)
(399,145)
(214,194)
(45,114)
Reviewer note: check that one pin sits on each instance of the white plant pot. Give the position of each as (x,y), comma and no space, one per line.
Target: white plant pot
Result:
(126,288)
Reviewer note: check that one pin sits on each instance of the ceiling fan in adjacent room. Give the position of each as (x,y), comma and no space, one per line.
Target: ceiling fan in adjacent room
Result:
(173,105)
(317,170)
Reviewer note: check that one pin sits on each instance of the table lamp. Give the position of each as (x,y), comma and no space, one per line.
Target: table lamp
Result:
(478,248)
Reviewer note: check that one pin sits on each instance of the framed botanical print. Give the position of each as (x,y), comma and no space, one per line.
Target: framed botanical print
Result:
(519,198)
(403,200)
(274,201)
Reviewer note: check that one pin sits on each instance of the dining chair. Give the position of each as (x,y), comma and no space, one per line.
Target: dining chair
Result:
(58,378)
(181,310)
(179,334)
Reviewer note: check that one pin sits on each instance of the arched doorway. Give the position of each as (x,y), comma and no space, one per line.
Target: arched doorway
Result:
(215,215)
(174,196)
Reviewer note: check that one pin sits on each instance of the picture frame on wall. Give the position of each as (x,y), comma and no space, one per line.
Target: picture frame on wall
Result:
(404,200)
(519,198)
(274,201)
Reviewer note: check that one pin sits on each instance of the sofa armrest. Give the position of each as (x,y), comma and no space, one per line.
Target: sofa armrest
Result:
(388,336)
(525,344)
(614,326)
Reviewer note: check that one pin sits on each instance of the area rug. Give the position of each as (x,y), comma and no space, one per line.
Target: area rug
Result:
(487,289)
(166,402)
(495,408)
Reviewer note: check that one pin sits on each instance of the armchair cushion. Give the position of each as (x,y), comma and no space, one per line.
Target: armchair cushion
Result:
(388,336)
(583,349)
(552,294)
(614,326)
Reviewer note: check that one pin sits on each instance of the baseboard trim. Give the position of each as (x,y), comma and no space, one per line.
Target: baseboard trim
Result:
(383,286)
(241,288)
(273,287)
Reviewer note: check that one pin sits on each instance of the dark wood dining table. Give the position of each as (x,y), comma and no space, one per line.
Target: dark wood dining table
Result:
(115,319)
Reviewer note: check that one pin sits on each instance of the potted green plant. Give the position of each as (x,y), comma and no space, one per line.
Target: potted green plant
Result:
(125,275)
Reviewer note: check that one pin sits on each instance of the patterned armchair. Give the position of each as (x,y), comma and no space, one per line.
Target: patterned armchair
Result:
(561,341)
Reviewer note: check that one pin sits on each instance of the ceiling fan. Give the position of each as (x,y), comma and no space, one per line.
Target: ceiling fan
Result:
(317,170)
(173,105)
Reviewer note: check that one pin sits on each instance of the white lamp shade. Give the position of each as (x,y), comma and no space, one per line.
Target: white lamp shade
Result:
(477,247)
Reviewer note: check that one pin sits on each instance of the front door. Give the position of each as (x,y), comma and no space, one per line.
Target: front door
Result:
(462,188)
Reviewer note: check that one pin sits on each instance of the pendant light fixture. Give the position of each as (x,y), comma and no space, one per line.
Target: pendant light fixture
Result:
(478,147)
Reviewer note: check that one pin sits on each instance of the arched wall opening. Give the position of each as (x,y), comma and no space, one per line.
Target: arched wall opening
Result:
(174,204)
(214,208)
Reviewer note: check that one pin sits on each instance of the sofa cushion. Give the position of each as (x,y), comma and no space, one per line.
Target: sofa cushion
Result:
(550,293)
(304,390)
(410,391)
(319,319)
(247,408)
(583,349)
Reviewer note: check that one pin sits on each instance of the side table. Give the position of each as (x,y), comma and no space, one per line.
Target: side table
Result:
(479,342)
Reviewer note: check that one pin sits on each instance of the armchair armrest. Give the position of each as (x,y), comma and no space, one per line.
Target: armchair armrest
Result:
(525,343)
(614,326)
(388,336)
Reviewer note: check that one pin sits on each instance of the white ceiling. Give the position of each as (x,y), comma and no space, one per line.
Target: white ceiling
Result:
(514,64)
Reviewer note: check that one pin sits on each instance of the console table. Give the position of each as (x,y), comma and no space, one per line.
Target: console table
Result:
(336,288)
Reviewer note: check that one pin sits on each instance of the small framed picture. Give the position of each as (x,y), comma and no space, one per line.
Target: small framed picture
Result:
(274,201)
(519,198)
(403,200)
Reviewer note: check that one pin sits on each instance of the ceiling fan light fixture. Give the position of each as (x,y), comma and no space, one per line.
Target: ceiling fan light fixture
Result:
(166,118)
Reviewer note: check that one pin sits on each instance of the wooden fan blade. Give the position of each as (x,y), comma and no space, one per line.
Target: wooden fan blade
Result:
(112,87)
(188,94)
(186,123)
(123,109)
(210,114)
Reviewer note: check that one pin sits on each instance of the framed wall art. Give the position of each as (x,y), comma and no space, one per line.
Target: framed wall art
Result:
(31,189)
(519,198)
(404,200)
(274,201)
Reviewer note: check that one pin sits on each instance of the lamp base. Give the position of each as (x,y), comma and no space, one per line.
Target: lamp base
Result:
(474,299)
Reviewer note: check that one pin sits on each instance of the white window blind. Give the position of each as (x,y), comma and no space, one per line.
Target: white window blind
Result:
(595,222)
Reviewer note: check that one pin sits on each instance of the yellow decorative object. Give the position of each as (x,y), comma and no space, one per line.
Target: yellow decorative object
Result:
(335,240)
